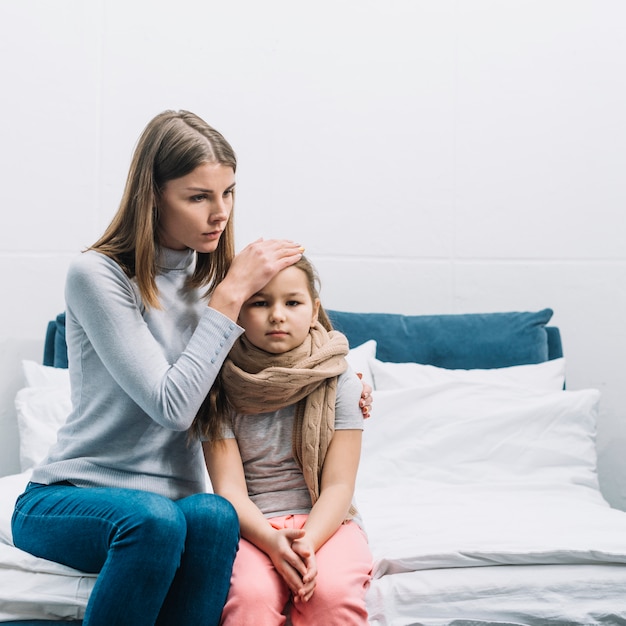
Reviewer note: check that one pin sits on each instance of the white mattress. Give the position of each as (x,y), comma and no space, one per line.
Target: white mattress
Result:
(432,576)
(529,595)
(506,557)
(481,506)
(30,587)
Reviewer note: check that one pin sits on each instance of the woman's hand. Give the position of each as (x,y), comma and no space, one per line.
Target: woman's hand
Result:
(251,270)
(366,398)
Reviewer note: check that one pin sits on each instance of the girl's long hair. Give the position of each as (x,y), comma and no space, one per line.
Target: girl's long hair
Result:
(172,145)
(216,408)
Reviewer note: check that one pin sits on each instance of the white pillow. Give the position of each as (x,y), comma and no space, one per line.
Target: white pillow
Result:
(41,411)
(43,375)
(549,375)
(459,433)
(359,359)
(42,407)
(10,488)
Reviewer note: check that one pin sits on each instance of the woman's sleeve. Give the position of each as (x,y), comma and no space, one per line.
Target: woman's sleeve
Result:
(104,315)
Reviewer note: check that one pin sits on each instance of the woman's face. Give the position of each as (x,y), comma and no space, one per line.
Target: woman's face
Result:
(194,209)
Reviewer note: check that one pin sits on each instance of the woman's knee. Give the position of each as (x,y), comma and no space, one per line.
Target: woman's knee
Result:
(209,515)
(153,520)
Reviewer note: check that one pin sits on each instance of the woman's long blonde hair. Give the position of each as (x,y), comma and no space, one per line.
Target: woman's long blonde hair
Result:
(172,145)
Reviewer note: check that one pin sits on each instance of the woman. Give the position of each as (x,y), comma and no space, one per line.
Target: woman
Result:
(151,310)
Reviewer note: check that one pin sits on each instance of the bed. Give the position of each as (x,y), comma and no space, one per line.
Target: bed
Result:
(477,485)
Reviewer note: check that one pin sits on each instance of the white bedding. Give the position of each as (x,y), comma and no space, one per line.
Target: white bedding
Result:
(532,595)
(30,587)
(480,499)
(482,506)
(486,476)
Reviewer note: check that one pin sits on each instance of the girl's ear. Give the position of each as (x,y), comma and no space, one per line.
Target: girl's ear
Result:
(316,310)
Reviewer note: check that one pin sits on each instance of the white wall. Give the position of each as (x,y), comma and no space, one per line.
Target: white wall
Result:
(434,156)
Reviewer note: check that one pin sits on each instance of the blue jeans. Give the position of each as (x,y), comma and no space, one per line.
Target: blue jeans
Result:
(158,561)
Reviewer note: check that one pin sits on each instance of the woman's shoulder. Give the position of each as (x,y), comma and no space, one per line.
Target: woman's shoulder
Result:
(92,261)
(90,258)
(92,270)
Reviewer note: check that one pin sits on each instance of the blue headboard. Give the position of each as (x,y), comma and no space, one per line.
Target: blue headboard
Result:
(455,341)
(55,348)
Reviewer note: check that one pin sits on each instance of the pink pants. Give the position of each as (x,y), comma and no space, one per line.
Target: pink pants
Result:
(258,595)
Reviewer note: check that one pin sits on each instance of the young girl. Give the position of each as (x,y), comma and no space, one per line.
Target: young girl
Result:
(282,443)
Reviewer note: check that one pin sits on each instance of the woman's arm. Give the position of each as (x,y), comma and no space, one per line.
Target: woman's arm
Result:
(160,359)
(225,467)
(104,310)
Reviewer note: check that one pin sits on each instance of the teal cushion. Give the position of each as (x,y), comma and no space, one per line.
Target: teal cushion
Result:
(455,341)
(55,348)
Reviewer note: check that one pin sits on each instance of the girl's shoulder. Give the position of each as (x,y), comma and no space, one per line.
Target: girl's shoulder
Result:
(350,380)
(348,413)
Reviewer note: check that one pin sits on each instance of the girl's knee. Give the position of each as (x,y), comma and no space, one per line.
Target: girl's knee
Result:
(332,606)
(257,602)
(255,586)
(339,596)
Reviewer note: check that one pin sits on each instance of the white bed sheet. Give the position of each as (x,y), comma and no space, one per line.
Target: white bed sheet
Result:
(530,595)
(422,573)
(481,506)
(30,587)
(447,556)
(435,526)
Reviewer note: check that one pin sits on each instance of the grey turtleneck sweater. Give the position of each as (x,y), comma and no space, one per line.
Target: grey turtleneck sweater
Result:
(138,378)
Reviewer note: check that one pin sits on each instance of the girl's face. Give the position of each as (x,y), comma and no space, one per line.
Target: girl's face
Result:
(278,318)
(194,209)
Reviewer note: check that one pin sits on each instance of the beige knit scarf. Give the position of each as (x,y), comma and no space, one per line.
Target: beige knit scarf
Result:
(256,381)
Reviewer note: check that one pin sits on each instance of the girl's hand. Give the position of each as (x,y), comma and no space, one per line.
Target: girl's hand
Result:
(305,550)
(366,398)
(291,565)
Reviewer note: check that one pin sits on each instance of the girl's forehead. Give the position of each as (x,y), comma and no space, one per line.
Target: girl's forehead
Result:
(292,278)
